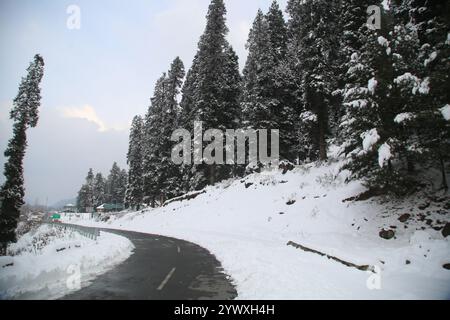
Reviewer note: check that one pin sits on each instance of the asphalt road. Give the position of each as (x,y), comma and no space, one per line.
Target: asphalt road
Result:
(160,268)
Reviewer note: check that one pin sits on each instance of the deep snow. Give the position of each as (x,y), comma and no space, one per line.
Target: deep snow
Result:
(48,262)
(247,224)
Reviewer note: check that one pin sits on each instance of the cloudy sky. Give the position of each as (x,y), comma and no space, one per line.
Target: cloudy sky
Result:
(96,78)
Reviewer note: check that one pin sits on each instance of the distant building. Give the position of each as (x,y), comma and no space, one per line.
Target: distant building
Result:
(109,207)
(70,208)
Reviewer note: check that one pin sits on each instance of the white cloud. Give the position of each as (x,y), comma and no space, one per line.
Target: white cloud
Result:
(60,152)
(88,113)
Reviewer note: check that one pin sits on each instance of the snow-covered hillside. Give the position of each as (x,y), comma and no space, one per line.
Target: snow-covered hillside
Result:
(248,223)
(47,262)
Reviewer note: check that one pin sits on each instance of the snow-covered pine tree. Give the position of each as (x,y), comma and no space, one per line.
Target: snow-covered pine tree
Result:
(123,180)
(152,142)
(211,98)
(24,115)
(187,118)
(187,115)
(314,48)
(365,101)
(134,193)
(258,75)
(353,15)
(373,101)
(283,86)
(277,29)
(82,198)
(395,120)
(431,19)
(170,174)
(99,190)
(409,73)
(115,185)
(86,196)
(267,99)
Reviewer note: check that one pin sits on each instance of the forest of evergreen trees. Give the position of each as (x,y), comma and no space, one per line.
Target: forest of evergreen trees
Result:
(323,76)
(98,190)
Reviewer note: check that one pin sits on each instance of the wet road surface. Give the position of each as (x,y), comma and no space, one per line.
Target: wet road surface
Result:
(160,268)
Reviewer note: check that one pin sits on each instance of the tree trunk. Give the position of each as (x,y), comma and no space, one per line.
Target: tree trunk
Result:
(444,176)
(410,165)
(322,119)
(212,174)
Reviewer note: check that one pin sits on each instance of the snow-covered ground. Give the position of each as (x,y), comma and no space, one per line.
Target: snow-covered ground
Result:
(48,263)
(247,224)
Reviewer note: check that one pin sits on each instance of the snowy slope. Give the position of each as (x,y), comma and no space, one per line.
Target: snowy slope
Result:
(247,224)
(46,262)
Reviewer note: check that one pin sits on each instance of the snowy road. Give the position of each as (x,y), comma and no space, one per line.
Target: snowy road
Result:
(160,268)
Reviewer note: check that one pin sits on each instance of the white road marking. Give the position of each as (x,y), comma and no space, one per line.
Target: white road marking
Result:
(178,248)
(163,284)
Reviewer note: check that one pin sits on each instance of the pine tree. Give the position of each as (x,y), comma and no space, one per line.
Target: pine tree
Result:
(393,119)
(422,37)
(122,190)
(134,193)
(25,115)
(373,100)
(99,189)
(353,16)
(162,178)
(365,99)
(86,196)
(169,173)
(153,140)
(82,198)
(212,89)
(315,50)
(258,74)
(277,29)
(268,96)
(116,185)
(187,115)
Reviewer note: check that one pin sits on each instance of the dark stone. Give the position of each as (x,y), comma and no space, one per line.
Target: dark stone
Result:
(408,262)
(404,217)
(446,266)
(281,213)
(248,185)
(290,202)
(446,230)
(286,167)
(387,234)
(424,206)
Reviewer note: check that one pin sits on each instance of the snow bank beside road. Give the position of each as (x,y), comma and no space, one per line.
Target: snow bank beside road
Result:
(247,224)
(47,262)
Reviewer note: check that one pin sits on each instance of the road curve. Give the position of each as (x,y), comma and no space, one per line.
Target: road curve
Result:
(160,268)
